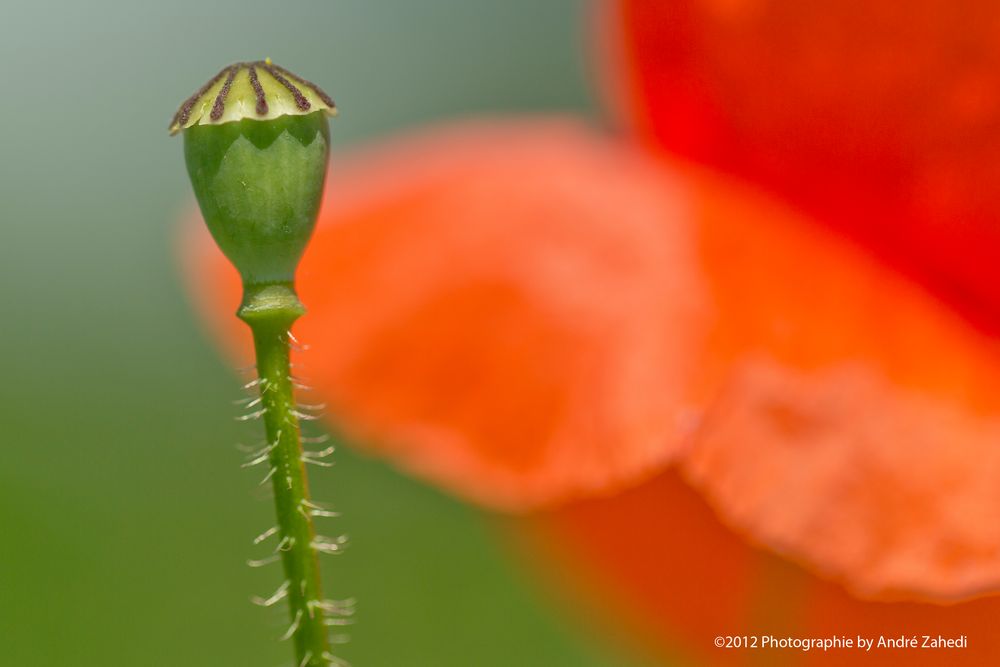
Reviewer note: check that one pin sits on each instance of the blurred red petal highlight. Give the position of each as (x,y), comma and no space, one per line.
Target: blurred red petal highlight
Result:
(878,118)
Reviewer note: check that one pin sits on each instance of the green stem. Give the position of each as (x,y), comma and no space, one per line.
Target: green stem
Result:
(270,311)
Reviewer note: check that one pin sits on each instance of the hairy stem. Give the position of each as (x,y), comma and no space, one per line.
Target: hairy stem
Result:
(269,319)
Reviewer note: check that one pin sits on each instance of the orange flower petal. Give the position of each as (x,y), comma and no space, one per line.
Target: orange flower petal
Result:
(858,423)
(654,560)
(507,309)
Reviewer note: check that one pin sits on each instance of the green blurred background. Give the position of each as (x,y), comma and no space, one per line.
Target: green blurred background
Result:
(126,520)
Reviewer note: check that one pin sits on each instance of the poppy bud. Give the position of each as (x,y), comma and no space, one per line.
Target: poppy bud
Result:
(256,144)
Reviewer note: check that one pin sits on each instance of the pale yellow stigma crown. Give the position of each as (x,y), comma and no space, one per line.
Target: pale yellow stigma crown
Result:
(258,90)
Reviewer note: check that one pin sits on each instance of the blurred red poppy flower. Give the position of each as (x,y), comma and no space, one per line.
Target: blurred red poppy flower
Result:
(879,120)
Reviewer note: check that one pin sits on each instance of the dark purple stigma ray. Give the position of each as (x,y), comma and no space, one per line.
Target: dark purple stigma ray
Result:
(300,100)
(184,113)
(327,100)
(258,91)
(220,99)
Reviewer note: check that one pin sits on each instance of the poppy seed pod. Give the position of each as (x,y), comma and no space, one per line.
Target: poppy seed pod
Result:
(256,144)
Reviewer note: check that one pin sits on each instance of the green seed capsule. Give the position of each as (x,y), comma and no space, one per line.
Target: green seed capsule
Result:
(256,144)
